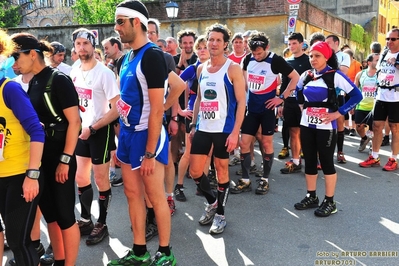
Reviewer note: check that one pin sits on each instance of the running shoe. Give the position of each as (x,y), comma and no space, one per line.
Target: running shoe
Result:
(242,186)
(179,194)
(209,213)
(284,153)
(162,260)
(363,144)
(171,204)
(326,209)
(99,232)
(85,228)
(234,161)
(370,162)
(391,165)
(291,167)
(341,157)
(117,182)
(262,188)
(307,202)
(131,259)
(48,257)
(151,230)
(218,224)
(352,132)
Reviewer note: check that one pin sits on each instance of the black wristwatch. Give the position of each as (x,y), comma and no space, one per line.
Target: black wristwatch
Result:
(92,130)
(33,174)
(282,96)
(175,118)
(149,155)
(65,158)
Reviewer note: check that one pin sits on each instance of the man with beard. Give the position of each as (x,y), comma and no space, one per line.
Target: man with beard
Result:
(187,56)
(97,88)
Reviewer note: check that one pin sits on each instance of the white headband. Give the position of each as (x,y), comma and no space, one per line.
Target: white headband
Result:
(131,13)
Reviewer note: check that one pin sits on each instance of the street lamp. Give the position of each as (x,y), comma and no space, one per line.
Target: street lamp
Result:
(172,8)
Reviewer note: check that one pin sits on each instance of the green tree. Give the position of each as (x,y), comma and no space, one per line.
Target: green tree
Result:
(10,15)
(94,11)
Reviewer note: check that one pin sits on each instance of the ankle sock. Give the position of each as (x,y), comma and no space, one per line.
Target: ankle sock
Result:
(165,250)
(139,250)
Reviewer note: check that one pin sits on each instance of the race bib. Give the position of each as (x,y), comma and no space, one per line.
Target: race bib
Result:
(255,82)
(123,110)
(210,110)
(387,80)
(316,114)
(369,92)
(85,96)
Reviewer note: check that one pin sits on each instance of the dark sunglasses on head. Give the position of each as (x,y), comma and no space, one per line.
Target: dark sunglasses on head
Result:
(121,21)
(17,54)
(392,39)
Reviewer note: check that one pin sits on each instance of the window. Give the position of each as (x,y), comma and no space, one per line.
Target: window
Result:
(26,4)
(46,3)
(67,2)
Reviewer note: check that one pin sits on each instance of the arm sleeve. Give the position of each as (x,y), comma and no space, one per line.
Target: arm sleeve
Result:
(188,73)
(154,68)
(355,96)
(18,101)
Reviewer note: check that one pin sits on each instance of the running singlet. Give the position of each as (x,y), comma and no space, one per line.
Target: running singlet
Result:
(218,101)
(134,105)
(368,87)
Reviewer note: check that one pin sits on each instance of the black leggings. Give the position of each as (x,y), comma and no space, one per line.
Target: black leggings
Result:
(318,143)
(18,216)
(58,200)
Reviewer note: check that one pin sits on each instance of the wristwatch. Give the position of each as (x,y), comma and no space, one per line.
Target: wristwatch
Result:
(149,155)
(65,158)
(92,130)
(32,174)
(175,118)
(282,96)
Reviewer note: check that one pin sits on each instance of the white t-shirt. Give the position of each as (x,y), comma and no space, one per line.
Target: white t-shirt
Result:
(66,69)
(24,86)
(343,59)
(95,88)
(389,77)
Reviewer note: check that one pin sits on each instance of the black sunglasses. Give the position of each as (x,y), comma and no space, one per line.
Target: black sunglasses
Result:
(121,21)
(17,54)
(392,39)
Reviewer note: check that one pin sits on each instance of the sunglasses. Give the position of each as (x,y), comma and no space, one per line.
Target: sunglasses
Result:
(391,39)
(257,43)
(17,54)
(121,21)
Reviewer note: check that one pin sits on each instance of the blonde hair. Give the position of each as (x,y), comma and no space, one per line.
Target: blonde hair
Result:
(201,39)
(7,46)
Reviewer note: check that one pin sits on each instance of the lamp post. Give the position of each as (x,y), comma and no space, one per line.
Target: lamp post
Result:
(172,8)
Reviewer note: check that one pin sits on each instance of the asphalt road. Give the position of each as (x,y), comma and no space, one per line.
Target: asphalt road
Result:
(267,230)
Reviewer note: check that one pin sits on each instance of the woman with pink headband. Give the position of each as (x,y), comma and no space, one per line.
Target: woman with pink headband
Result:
(319,125)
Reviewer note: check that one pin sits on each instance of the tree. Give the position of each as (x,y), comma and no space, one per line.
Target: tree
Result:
(94,11)
(10,15)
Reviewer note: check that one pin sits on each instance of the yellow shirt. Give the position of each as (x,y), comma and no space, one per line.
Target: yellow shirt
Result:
(14,142)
